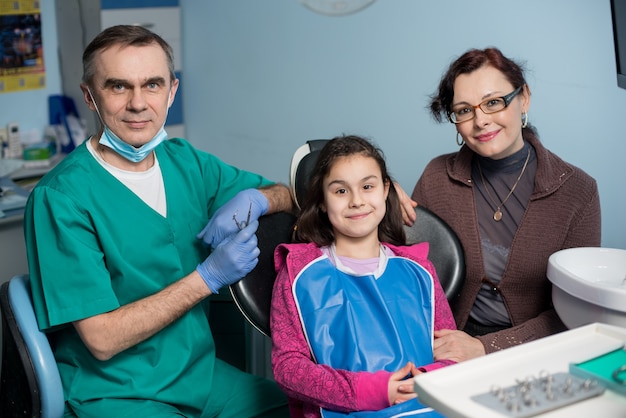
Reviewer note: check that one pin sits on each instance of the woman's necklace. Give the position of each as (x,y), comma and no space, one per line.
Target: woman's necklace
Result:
(497,215)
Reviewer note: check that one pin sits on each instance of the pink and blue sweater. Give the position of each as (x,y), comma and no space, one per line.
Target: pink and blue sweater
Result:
(310,385)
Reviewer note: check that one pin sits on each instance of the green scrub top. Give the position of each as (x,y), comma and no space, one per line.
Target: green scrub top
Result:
(94,246)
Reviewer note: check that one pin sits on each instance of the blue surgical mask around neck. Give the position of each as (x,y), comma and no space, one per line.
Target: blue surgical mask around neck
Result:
(109,139)
(131,153)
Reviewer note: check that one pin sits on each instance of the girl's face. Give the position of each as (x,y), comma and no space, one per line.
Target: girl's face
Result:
(354,198)
(494,135)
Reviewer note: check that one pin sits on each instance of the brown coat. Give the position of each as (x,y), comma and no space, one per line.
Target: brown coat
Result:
(563,212)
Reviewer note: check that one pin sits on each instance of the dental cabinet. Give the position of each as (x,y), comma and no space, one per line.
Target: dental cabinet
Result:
(457,391)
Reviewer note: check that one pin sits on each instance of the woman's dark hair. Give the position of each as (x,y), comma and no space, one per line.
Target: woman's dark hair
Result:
(470,61)
(313,224)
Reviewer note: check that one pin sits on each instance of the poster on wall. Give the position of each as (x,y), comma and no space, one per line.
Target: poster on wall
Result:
(21,47)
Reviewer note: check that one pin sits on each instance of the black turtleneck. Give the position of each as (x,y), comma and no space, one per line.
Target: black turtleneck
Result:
(496,236)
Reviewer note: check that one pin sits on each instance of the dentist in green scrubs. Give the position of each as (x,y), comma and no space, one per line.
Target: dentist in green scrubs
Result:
(125,238)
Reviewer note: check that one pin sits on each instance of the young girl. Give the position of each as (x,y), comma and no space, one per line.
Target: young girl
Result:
(353,310)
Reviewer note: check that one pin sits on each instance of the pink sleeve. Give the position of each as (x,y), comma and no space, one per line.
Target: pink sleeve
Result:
(443,313)
(301,378)
(436,365)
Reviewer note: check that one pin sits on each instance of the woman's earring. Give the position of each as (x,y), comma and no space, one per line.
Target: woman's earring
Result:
(524,120)
(461,142)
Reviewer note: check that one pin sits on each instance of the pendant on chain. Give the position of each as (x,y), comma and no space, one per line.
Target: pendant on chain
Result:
(497,215)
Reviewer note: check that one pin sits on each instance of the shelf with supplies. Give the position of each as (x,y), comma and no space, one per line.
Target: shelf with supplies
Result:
(17,179)
(16,183)
(12,248)
(12,199)
(26,173)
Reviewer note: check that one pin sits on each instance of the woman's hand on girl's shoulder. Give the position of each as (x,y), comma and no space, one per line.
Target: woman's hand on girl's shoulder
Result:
(407,204)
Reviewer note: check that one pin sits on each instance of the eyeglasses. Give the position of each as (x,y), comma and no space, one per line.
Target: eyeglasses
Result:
(464,113)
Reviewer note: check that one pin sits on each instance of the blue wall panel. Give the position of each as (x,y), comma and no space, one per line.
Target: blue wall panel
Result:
(132,4)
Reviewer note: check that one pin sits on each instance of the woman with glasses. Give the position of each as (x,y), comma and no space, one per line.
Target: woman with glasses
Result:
(511,202)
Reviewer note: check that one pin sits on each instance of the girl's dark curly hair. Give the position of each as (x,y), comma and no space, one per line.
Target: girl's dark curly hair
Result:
(313,224)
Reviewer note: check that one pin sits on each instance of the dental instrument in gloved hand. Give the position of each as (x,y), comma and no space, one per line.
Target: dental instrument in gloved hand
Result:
(221,225)
(242,224)
(232,259)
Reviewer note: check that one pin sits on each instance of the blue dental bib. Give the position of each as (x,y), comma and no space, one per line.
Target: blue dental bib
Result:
(368,323)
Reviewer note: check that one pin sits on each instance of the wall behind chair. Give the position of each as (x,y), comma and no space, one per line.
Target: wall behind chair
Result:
(264,76)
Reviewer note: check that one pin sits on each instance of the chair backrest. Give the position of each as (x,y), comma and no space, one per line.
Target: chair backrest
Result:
(302,164)
(446,252)
(30,381)
(253,293)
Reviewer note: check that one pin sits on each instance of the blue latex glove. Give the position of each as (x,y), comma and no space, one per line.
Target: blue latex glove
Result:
(231,260)
(233,216)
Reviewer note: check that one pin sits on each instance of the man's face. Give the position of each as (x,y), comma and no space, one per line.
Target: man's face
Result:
(132,91)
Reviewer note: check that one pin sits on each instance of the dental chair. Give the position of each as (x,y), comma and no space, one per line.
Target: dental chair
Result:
(30,381)
(253,293)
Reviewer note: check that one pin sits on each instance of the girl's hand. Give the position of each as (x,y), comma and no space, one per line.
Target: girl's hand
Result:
(400,388)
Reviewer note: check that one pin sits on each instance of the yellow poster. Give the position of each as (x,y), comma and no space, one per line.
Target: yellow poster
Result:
(21,47)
